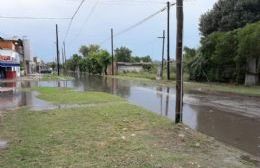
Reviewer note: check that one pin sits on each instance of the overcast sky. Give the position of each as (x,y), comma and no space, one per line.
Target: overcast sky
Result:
(93,23)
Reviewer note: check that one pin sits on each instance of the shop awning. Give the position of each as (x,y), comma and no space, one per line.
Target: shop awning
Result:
(9,64)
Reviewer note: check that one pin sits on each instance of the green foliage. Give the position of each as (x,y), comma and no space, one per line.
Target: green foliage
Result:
(228,15)
(141,59)
(94,60)
(104,60)
(123,54)
(249,41)
(189,55)
(223,57)
(73,64)
(87,50)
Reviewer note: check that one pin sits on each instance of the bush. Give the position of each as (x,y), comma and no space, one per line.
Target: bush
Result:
(223,56)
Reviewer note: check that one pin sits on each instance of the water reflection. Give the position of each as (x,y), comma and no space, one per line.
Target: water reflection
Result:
(17,97)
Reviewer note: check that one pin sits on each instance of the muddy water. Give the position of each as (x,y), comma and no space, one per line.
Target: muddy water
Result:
(234,120)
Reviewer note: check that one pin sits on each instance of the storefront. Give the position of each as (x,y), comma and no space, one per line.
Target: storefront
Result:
(9,65)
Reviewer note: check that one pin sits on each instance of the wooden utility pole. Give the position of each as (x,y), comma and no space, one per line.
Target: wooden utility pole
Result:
(58,52)
(179,51)
(112,50)
(62,56)
(168,40)
(163,37)
(64,47)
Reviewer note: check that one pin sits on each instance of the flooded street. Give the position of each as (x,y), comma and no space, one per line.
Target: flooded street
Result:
(234,120)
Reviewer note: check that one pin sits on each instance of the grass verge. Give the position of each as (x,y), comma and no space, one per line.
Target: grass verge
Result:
(201,87)
(117,134)
(51,77)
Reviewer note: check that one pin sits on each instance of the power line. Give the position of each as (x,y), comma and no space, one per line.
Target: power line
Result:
(132,2)
(96,4)
(87,19)
(138,23)
(34,18)
(81,3)
(72,18)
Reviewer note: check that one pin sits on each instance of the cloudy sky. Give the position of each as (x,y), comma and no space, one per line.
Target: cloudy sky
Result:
(93,22)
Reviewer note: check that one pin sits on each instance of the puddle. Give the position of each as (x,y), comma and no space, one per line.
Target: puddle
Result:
(3,144)
(18,98)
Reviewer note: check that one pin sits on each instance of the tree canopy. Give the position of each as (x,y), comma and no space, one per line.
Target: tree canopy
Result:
(123,54)
(86,50)
(228,15)
(93,60)
(223,56)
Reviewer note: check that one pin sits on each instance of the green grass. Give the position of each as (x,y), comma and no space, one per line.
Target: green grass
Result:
(145,75)
(67,96)
(51,77)
(224,88)
(114,134)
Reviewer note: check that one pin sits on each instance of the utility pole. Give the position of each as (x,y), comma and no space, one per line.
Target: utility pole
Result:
(58,52)
(163,37)
(62,56)
(112,49)
(168,40)
(179,70)
(64,47)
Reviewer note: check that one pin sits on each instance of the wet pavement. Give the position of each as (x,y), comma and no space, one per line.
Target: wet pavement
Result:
(234,120)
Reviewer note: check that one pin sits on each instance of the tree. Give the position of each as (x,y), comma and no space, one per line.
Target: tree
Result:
(228,15)
(141,59)
(188,56)
(249,52)
(123,54)
(232,56)
(104,60)
(136,59)
(86,50)
(146,59)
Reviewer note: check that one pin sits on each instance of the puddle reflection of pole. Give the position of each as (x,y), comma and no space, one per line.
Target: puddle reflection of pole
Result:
(161,104)
(59,85)
(167,101)
(160,94)
(113,85)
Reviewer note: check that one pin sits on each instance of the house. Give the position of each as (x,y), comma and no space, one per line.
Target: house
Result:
(38,65)
(121,67)
(10,57)
(15,54)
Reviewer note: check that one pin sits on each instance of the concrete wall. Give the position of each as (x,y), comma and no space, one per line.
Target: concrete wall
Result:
(27,50)
(252,75)
(129,68)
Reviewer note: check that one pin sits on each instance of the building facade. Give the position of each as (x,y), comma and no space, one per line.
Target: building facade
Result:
(9,59)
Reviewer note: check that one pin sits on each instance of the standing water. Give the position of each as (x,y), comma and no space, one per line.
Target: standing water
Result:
(234,120)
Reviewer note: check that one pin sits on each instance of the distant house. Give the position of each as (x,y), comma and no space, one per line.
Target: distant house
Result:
(121,67)
(38,65)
